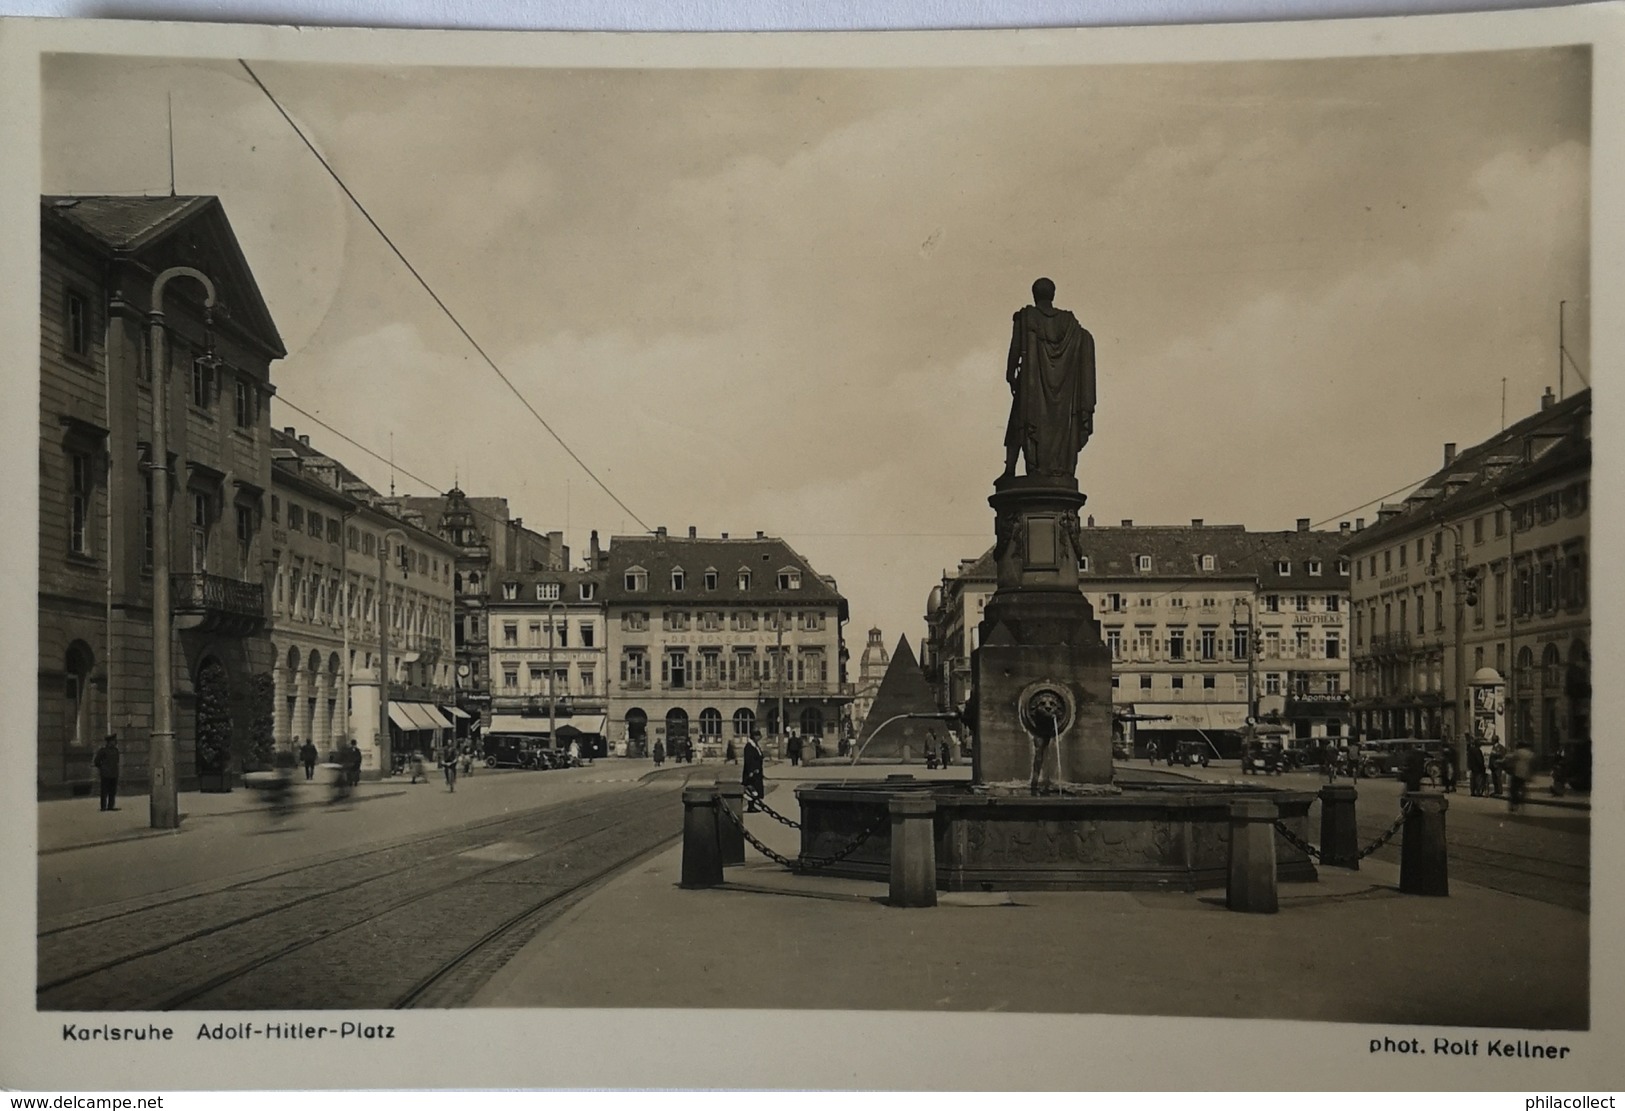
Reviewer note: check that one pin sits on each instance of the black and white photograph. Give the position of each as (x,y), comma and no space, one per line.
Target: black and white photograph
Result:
(573,541)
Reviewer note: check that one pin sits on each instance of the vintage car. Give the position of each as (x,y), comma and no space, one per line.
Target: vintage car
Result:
(1376,759)
(1264,756)
(1190,753)
(508,751)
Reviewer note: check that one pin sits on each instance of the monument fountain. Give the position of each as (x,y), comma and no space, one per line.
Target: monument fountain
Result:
(1044,808)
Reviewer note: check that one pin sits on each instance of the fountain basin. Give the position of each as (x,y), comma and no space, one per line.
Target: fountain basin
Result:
(1148,836)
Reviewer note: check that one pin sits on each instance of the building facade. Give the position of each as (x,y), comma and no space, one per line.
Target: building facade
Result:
(871,670)
(100,258)
(548,658)
(344,556)
(1208,626)
(1471,598)
(709,639)
(489,543)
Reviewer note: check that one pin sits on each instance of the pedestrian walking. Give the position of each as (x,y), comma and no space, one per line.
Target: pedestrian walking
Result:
(792,749)
(754,777)
(1520,766)
(660,753)
(307,757)
(942,753)
(106,763)
(1328,767)
(731,755)
(1498,763)
(1151,752)
(414,764)
(468,760)
(1476,771)
(448,764)
(1447,769)
(352,763)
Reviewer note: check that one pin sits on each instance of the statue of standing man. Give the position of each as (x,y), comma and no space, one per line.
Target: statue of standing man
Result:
(1051,372)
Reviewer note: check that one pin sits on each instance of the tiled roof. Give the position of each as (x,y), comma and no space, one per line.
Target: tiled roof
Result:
(1177,551)
(351,482)
(1546,443)
(763,557)
(568,581)
(124,222)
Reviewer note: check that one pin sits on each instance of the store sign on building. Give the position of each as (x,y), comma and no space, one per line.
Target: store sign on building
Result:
(1400,579)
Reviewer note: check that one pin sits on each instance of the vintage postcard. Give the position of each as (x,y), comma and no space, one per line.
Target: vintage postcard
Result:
(991,559)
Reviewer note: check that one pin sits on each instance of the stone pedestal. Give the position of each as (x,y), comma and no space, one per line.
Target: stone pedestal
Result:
(1339,835)
(1042,672)
(1424,862)
(913,851)
(1252,857)
(702,843)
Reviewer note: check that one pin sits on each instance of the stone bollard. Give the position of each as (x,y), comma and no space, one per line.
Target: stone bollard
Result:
(1252,856)
(1424,861)
(1339,836)
(731,793)
(913,850)
(702,843)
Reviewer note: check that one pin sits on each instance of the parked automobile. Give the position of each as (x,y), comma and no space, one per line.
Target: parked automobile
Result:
(504,751)
(1190,753)
(1263,757)
(1387,757)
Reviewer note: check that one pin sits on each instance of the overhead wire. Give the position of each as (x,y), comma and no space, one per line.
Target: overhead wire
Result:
(427,288)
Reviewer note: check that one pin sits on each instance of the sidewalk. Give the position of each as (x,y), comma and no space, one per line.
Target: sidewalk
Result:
(1349,948)
(66,824)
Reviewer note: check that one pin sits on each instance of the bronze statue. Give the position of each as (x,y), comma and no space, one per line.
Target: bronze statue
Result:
(1051,372)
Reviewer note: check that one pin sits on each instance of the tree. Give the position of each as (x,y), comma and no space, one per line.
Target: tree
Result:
(259,751)
(214,724)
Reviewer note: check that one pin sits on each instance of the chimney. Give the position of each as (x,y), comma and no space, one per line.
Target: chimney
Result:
(1196,522)
(760,535)
(592,548)
(1128,522)
(1449,454)
(1091,520)
(1303,524)
(1343,527)
(660,533)
(305,440)
(1359,523)
(693,533)
(1547,400)
(289,430)
(725,536)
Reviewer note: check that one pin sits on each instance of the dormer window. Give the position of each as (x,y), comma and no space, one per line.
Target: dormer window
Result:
(587,591)
(743,580)
(510,592)
(789,579)
(677,578)
(637,579)
(547,592)
(1342,567)
(1283,567)
(1314,566)
(1143,562)
(711,578)
(1208,563)
(1083,563)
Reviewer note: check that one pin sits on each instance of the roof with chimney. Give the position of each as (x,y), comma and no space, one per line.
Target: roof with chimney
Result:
(1552,442)
(172,231)
(1301,558)
(568,582)
(763,556)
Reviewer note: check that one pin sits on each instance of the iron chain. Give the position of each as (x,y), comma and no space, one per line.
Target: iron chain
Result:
(1388,835)
(761,803)
(1295,841)
(812,864)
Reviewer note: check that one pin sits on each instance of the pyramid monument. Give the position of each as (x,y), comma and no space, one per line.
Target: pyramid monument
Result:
(902,691)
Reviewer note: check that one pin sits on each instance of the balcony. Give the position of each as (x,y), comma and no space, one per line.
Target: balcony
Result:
(1390,644)
(215,603)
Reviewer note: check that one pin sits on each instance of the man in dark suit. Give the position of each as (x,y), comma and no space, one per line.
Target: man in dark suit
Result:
(106,763)
(755,779)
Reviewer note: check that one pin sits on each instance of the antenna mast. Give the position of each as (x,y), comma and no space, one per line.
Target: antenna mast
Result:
(1560,349)
(171,99)
(392,464)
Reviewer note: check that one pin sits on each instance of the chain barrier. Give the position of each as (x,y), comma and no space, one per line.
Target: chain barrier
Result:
(1310,850)
(761,804)
(810,864)
(1388,835)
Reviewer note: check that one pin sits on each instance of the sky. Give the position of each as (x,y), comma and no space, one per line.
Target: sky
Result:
(780,300)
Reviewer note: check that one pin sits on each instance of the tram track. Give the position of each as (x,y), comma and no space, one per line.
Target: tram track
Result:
(304,944)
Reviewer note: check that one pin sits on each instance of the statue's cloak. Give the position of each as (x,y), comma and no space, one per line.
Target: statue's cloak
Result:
(1052,412)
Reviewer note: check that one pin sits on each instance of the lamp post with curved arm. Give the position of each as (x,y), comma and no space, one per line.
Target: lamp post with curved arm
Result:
(552,639)
(385,749)
(163,806)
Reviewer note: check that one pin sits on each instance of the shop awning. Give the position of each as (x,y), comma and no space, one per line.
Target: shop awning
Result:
(400,719)
(455,712)
(1185,715)
(589,724)
(414,716)
(434,714)
(513,723)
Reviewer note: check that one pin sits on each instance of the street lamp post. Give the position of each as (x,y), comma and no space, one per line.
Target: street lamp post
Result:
(163,805)
(385,751)
(1461,583)
(552,637)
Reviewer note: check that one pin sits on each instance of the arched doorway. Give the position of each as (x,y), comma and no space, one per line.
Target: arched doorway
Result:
(1551,689)
(676,727)
(637,732)
(812,722)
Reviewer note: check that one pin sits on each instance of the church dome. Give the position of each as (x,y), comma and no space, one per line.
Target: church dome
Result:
(933,601)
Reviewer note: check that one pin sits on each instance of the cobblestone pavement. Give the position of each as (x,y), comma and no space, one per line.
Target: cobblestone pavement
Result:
(363,931)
